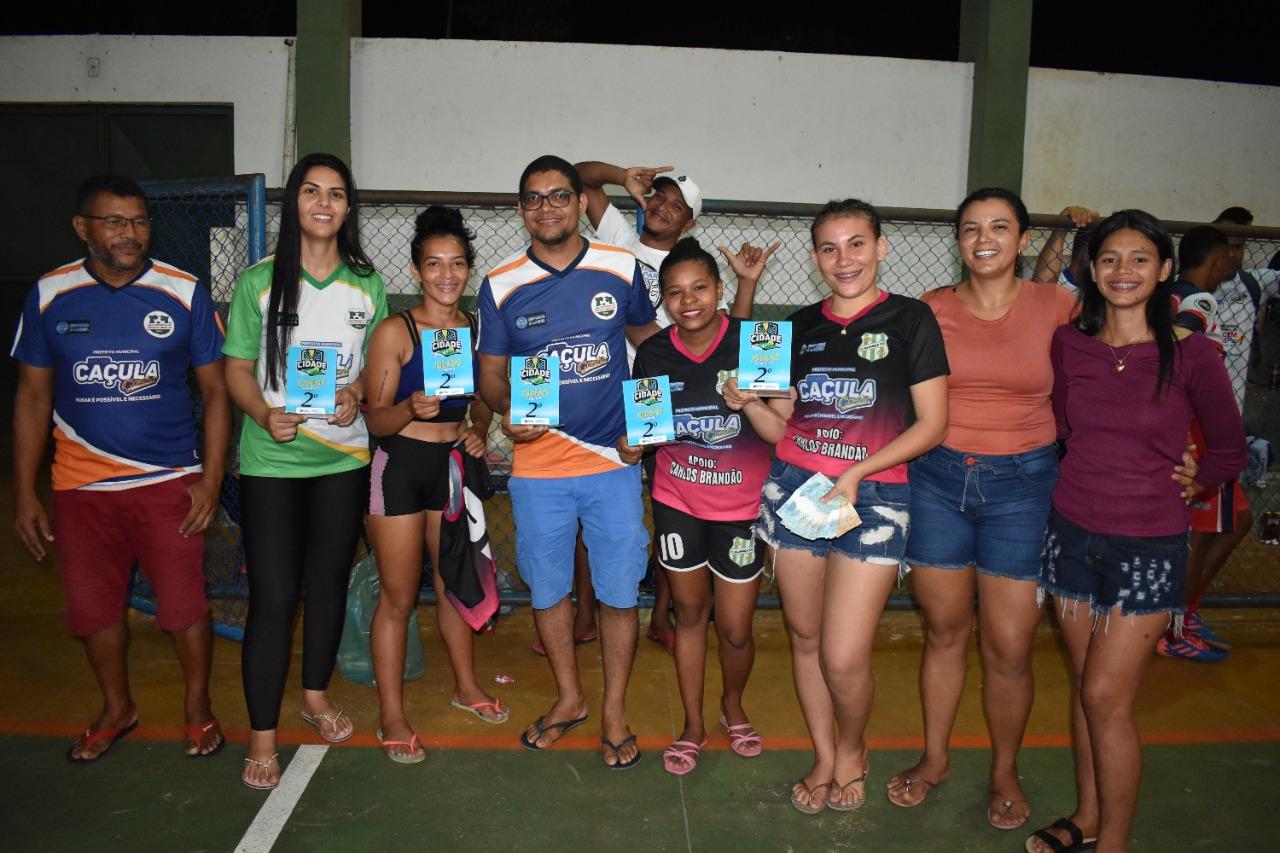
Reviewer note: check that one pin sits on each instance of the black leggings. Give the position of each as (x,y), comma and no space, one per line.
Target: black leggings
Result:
(298,532)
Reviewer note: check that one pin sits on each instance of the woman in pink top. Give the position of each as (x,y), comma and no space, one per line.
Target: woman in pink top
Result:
(980,500)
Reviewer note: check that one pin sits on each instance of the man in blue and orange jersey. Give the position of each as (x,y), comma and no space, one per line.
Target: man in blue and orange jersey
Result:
(105,344)
(580,301)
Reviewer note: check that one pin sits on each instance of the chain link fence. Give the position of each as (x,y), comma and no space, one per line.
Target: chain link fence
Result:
(923,256)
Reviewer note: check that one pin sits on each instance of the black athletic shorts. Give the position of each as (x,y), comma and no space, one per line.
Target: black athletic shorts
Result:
(728,548)
(409,476)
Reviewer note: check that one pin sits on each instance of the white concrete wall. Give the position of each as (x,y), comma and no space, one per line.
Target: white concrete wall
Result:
(1181,149)
(465,115)
(249,73)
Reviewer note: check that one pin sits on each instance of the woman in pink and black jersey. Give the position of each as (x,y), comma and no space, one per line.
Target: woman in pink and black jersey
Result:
(706,494)
(860,358)
(410,481)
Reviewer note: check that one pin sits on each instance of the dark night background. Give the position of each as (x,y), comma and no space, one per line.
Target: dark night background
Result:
(1235,42)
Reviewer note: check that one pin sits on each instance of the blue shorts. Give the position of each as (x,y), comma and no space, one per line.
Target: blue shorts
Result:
(547,512)
(883,508)
(1141,574)
(988,512)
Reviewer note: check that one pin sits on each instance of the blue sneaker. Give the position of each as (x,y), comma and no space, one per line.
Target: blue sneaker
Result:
(1189,647)
(1193,624)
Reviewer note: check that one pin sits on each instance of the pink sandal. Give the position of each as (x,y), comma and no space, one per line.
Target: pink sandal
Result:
(743,738)
(681,757)
(500,712)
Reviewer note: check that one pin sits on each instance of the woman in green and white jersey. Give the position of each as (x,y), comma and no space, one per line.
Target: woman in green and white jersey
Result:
(303,480)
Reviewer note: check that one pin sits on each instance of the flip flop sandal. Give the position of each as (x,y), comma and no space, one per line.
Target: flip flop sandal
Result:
(813,806)
(1078,842)
(196,734)
(667,641)
(681,757)
(91,737)
(619,764)
(743,738)
(332,720)
(838,790)
(542,728)
(1004,810)
(478,709)
(908,782)
(261,765)
(417,754)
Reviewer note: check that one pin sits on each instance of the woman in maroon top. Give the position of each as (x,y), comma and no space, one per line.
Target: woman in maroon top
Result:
(1126,385)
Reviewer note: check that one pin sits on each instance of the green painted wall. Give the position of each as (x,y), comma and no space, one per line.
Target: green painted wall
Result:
(323,75)
(995,35)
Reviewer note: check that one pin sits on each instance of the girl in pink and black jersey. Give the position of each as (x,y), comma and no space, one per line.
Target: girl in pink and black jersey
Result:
(706,494)
(860,357)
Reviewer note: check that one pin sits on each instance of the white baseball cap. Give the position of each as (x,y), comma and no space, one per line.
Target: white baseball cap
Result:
(688,190)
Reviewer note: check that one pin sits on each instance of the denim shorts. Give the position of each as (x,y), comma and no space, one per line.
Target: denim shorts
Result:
(1141,574)
(988,512)
(883,508)
(547,512)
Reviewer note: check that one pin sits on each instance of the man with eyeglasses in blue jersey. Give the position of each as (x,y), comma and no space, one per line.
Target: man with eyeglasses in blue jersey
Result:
(580,301)
(105,344)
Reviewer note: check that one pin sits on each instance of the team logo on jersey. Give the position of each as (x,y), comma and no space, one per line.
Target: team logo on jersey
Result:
(722,376)
(604,306)
(444,342)
(528,321)
(844,395)
(311,361)
(651,283)
(582,359)
(158,324)
(535,370)
(708,429)
(742,551)
(874,346)
(648,392)
(357,319)
(766,336)
(130,376)
(71,327)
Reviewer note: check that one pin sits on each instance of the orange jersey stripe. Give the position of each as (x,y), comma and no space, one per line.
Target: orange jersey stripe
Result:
(74,465)
(556,456)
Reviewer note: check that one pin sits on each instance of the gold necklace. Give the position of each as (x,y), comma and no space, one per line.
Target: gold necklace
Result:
(1118,367)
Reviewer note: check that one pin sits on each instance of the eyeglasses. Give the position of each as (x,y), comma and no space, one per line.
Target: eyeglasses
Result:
(119,223)
(557,198)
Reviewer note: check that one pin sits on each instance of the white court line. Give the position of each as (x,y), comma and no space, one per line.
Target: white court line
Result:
(274,814)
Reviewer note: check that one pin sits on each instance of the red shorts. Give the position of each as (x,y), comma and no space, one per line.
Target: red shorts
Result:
(1215,510)
(100,535)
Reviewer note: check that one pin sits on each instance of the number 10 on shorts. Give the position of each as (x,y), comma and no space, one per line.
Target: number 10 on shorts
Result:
(535,390)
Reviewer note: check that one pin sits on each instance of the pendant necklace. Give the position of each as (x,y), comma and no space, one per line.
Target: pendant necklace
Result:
(1118,367)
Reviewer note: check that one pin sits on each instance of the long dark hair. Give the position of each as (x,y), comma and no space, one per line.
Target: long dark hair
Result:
(1093,311)
(287,266)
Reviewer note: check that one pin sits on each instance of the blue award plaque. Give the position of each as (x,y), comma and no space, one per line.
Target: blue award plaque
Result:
(647,404)
(535,390)
(446,363)
(311,381)
(764,358)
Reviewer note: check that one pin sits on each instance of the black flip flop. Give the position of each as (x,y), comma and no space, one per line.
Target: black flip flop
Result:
(1079,844)
(617,750)
(542,728)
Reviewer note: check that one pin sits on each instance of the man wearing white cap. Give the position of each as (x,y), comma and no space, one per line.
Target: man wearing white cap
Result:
(670,205)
